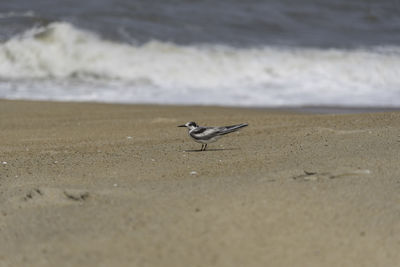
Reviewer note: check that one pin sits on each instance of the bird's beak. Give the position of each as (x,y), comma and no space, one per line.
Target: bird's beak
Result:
(183,125)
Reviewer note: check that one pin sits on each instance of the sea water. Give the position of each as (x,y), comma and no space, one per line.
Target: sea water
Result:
(228,52)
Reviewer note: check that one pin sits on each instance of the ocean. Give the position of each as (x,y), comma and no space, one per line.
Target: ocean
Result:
(255,53)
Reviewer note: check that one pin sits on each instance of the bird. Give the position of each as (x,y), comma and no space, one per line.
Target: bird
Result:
(206,135)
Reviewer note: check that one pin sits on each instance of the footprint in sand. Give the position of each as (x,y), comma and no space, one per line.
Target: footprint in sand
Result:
(314,175)
(33,194)
(47,195)
(76,195)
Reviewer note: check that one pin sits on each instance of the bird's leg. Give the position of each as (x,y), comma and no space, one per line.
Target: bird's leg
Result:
(202,145)
(205,146)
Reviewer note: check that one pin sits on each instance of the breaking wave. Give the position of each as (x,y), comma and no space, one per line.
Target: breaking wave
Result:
(63,62)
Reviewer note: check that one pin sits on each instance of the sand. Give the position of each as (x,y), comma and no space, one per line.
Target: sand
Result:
(120,185)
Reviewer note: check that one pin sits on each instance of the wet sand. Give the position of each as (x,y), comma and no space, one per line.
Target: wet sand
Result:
(120,185)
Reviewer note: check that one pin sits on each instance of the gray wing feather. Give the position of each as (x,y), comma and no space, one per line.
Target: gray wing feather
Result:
(232,128)
(205,133)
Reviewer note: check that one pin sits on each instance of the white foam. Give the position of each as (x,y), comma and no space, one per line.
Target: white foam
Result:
(62,62)
(12,14)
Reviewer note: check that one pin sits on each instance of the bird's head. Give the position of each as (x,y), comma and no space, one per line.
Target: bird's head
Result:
(190,125)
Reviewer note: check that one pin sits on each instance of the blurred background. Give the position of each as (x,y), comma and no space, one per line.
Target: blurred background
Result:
(271,53)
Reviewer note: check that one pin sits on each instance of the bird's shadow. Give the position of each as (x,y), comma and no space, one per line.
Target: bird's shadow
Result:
(211,149)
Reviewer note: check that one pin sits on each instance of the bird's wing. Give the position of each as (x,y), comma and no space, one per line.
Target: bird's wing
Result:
(231,128)
(205,133)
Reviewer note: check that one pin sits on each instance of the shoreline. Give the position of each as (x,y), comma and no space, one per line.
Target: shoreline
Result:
(108,184)
(311,109)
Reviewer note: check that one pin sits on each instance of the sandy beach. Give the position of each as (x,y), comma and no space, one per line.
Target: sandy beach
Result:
(120,185)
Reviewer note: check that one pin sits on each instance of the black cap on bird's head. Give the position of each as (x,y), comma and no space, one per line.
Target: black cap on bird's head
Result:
(189,124)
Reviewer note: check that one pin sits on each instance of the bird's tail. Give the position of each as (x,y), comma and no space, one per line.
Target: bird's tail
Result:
(232,128)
